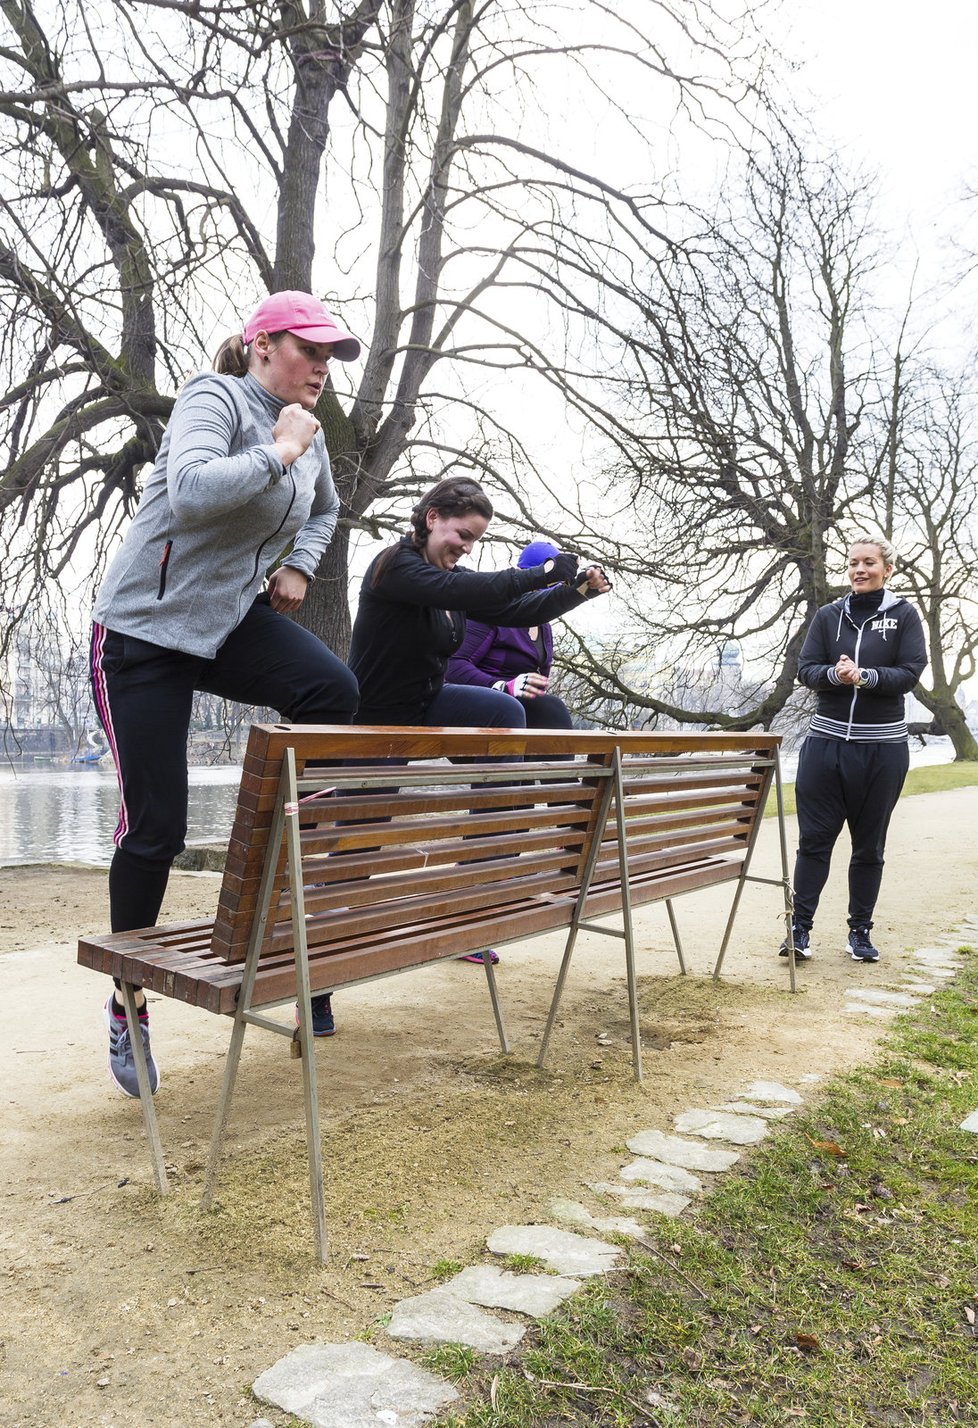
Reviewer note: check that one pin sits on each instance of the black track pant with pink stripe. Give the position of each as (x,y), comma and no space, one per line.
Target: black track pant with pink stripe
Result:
(144,697)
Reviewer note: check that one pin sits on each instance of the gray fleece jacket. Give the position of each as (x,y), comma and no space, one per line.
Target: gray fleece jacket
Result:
(216,511)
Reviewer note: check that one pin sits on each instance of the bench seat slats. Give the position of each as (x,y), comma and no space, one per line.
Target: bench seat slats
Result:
(421,886)
(203,980)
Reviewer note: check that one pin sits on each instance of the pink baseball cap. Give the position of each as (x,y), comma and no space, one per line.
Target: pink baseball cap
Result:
(303,314)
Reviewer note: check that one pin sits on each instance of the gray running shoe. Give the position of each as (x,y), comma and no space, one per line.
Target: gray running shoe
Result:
(860,947)
(801,938)
(122,1064)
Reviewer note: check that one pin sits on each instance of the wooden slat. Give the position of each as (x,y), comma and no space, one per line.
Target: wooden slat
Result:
(432,879)
(365,921)
(421,887)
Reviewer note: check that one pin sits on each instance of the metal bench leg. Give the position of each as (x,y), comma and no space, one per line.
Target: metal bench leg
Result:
(729,927)
(310,1099)
(558,993)
(304,998)
(675,936)
(633,997)
(497,1010)
(145,1094)
(223,1110)
(600,819)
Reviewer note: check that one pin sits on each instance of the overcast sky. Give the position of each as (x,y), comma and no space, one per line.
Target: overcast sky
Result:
(895,83)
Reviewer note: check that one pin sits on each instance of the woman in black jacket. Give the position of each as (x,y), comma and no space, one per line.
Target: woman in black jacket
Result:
(413,606)
(862,655)
(412,615)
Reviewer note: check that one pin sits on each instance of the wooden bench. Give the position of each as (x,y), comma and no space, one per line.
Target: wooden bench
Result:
(339,874)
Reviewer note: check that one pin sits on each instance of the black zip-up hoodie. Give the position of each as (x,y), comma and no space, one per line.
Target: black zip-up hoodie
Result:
(884,637)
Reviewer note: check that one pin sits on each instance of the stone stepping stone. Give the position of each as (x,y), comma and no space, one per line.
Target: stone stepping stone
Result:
(923,989)
(494,1288)
(353,1386)
(673,1150)
(561,1250)
(439,1317)
(572,1212)
(748,1108)
(936,956)
(772,1091)
(866,1009)
(721,1125)
(930,969)
(876,996)
(663,1202)
(667,1177)
(970,1123)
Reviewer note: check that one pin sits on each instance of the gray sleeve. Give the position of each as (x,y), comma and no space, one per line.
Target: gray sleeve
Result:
(203,478)
(312,538)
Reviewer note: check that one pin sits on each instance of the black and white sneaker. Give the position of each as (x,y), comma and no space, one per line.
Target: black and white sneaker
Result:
(860,947)
(801,938)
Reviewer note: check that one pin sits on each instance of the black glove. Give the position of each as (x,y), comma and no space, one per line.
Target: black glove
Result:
(563,568)
(581,579)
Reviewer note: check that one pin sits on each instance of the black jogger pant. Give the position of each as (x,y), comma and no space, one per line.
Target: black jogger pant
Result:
(841,783)
(144,696)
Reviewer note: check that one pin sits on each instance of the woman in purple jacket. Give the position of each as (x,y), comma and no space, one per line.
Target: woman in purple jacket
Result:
(513,659)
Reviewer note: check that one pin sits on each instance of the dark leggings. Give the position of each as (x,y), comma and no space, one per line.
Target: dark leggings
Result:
(144,696)
(546,711)
(841,783)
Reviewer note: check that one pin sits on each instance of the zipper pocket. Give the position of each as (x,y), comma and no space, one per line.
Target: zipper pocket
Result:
(164,562)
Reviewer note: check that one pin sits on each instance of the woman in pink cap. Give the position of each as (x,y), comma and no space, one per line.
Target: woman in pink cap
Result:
(241,476)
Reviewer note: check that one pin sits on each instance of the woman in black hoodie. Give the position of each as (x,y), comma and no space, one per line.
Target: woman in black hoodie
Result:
(862,655)
(411,619)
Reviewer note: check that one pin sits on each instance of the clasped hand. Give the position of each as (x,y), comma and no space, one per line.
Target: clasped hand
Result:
(846,671)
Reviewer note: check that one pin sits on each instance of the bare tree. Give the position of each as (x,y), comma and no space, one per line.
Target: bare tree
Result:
(167,161)
(754,379)
(44,679)
(927,500)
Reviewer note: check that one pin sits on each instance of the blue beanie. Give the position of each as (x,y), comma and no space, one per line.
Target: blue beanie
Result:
(536,553)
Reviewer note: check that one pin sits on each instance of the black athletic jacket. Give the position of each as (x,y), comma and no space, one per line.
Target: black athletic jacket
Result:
(886,640)
(409,624)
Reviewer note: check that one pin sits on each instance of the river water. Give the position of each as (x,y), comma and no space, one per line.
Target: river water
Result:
(67,813)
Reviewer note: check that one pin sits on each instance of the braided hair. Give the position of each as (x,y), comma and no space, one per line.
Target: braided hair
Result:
(455,496)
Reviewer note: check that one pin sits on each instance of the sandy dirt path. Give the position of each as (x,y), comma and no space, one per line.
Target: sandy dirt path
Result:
(119,1309)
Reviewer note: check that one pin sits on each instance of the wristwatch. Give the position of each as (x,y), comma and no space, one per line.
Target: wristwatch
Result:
(862,680)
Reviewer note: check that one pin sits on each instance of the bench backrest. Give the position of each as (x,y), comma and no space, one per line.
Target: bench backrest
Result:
(451,855)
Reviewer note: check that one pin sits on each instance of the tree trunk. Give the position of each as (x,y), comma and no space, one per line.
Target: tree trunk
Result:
(326,609)
(943,705)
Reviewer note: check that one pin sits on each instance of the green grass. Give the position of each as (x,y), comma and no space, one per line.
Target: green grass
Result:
(524,1264)
(932,778)
(832,1281)
(451,1361)
(446,1269)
